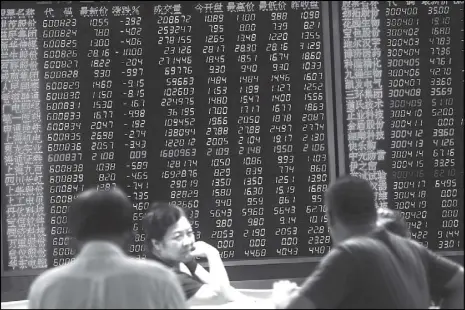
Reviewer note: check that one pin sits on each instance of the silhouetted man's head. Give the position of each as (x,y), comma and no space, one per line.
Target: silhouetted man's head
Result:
(350,203)
(100,215)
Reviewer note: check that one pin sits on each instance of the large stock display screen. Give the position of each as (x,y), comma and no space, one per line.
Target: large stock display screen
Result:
(219,107)
(226,108)
(403,110)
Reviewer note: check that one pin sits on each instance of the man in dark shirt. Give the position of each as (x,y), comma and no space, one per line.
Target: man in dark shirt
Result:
(370,267)
(441,270)
(170,240)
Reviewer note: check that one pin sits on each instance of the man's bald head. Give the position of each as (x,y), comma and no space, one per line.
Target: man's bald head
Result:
(100,215)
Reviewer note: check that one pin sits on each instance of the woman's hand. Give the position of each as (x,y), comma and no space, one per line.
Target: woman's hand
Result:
(203,249)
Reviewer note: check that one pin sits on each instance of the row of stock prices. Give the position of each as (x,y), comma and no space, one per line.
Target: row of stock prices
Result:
(403,103)
(217,107)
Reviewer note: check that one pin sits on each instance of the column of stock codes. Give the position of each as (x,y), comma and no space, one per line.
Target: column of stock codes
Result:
(402,86)
(219,107)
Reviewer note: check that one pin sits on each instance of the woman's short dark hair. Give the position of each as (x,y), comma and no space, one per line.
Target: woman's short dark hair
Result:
(100,214)
(159,218)
(352,200)
(393,221)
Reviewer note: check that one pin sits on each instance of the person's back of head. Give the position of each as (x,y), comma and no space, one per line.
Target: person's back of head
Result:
(350,203)
(387,271)
(393,221)
(352,200)
(100,215)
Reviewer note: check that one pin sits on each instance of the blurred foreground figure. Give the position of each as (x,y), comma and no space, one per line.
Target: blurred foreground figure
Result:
(102,276)
(369,267)
(394,222)
(171,241)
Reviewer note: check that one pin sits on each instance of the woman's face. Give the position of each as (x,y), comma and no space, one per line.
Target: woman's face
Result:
(178,242)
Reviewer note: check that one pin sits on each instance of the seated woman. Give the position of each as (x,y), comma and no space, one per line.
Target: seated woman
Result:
(170,240)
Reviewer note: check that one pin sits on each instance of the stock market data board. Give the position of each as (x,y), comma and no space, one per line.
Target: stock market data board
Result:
(223,108)
(226,109)
(402,93)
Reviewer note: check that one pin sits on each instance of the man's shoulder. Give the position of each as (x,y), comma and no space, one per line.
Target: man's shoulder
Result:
(383,243)
(373,240)
(56,272)
(359,244)
(52,276)
(405,244)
